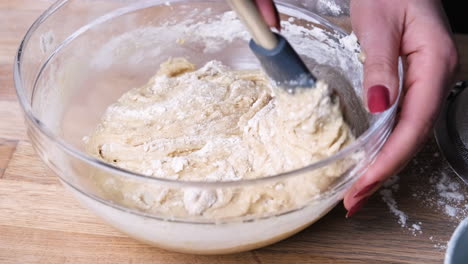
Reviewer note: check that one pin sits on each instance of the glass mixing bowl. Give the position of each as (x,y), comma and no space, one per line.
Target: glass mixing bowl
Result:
(80,56)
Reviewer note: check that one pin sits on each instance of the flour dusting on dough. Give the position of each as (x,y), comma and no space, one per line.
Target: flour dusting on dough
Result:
(218,124)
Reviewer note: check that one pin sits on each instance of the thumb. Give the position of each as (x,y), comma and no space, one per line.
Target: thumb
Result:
(378,29)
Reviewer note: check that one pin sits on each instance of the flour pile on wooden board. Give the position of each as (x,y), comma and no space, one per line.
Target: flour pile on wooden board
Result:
(389,187)
(445,196)
(450,197)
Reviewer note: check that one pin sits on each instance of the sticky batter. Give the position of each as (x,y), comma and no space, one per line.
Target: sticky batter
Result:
(218,124)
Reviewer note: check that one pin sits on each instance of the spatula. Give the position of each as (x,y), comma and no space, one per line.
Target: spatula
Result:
(277,57)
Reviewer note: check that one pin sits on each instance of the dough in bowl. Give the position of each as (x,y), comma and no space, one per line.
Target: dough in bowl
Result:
(219,124)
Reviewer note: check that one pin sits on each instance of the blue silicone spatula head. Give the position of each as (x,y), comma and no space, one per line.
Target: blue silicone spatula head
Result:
(277,57)
(283,65)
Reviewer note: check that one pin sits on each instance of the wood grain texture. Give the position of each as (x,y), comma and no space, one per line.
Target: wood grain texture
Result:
(46,207)
(26,166)
(41,223)
(7,93)
(7,147)
(12,126)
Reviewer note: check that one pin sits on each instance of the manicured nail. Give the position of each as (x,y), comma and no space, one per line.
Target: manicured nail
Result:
(378,98)
(356,207)
(366,189)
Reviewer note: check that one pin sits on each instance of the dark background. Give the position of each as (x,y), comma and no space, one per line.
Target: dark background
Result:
(457,15)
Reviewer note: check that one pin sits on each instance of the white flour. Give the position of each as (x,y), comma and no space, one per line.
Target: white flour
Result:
(155,41)
(449,194)
(445,196)
(209,32)
(390,187)
(217,124)
(387,196)
(330,6)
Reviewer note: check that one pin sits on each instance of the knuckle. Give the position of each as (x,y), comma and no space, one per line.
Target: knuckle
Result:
(422,125)
(379,64)
(448,53)
(452,58)
(428,124)
(381,70)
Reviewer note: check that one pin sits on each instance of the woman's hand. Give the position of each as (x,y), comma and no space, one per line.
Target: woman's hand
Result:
(269,12)
(418,31)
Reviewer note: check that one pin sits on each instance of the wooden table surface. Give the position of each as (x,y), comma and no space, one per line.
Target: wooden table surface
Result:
(41,223)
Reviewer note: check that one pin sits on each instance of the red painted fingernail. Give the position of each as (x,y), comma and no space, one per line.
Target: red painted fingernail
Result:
(366,189)
(378,98)
(356,207)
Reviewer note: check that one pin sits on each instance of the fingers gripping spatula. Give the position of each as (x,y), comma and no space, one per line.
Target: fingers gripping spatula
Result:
(279,60)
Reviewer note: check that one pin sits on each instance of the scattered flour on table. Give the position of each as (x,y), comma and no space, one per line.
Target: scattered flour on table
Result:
(390,187)
(445,196)
(450,197)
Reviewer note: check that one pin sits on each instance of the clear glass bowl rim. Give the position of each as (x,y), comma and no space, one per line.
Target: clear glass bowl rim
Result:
(383,119)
